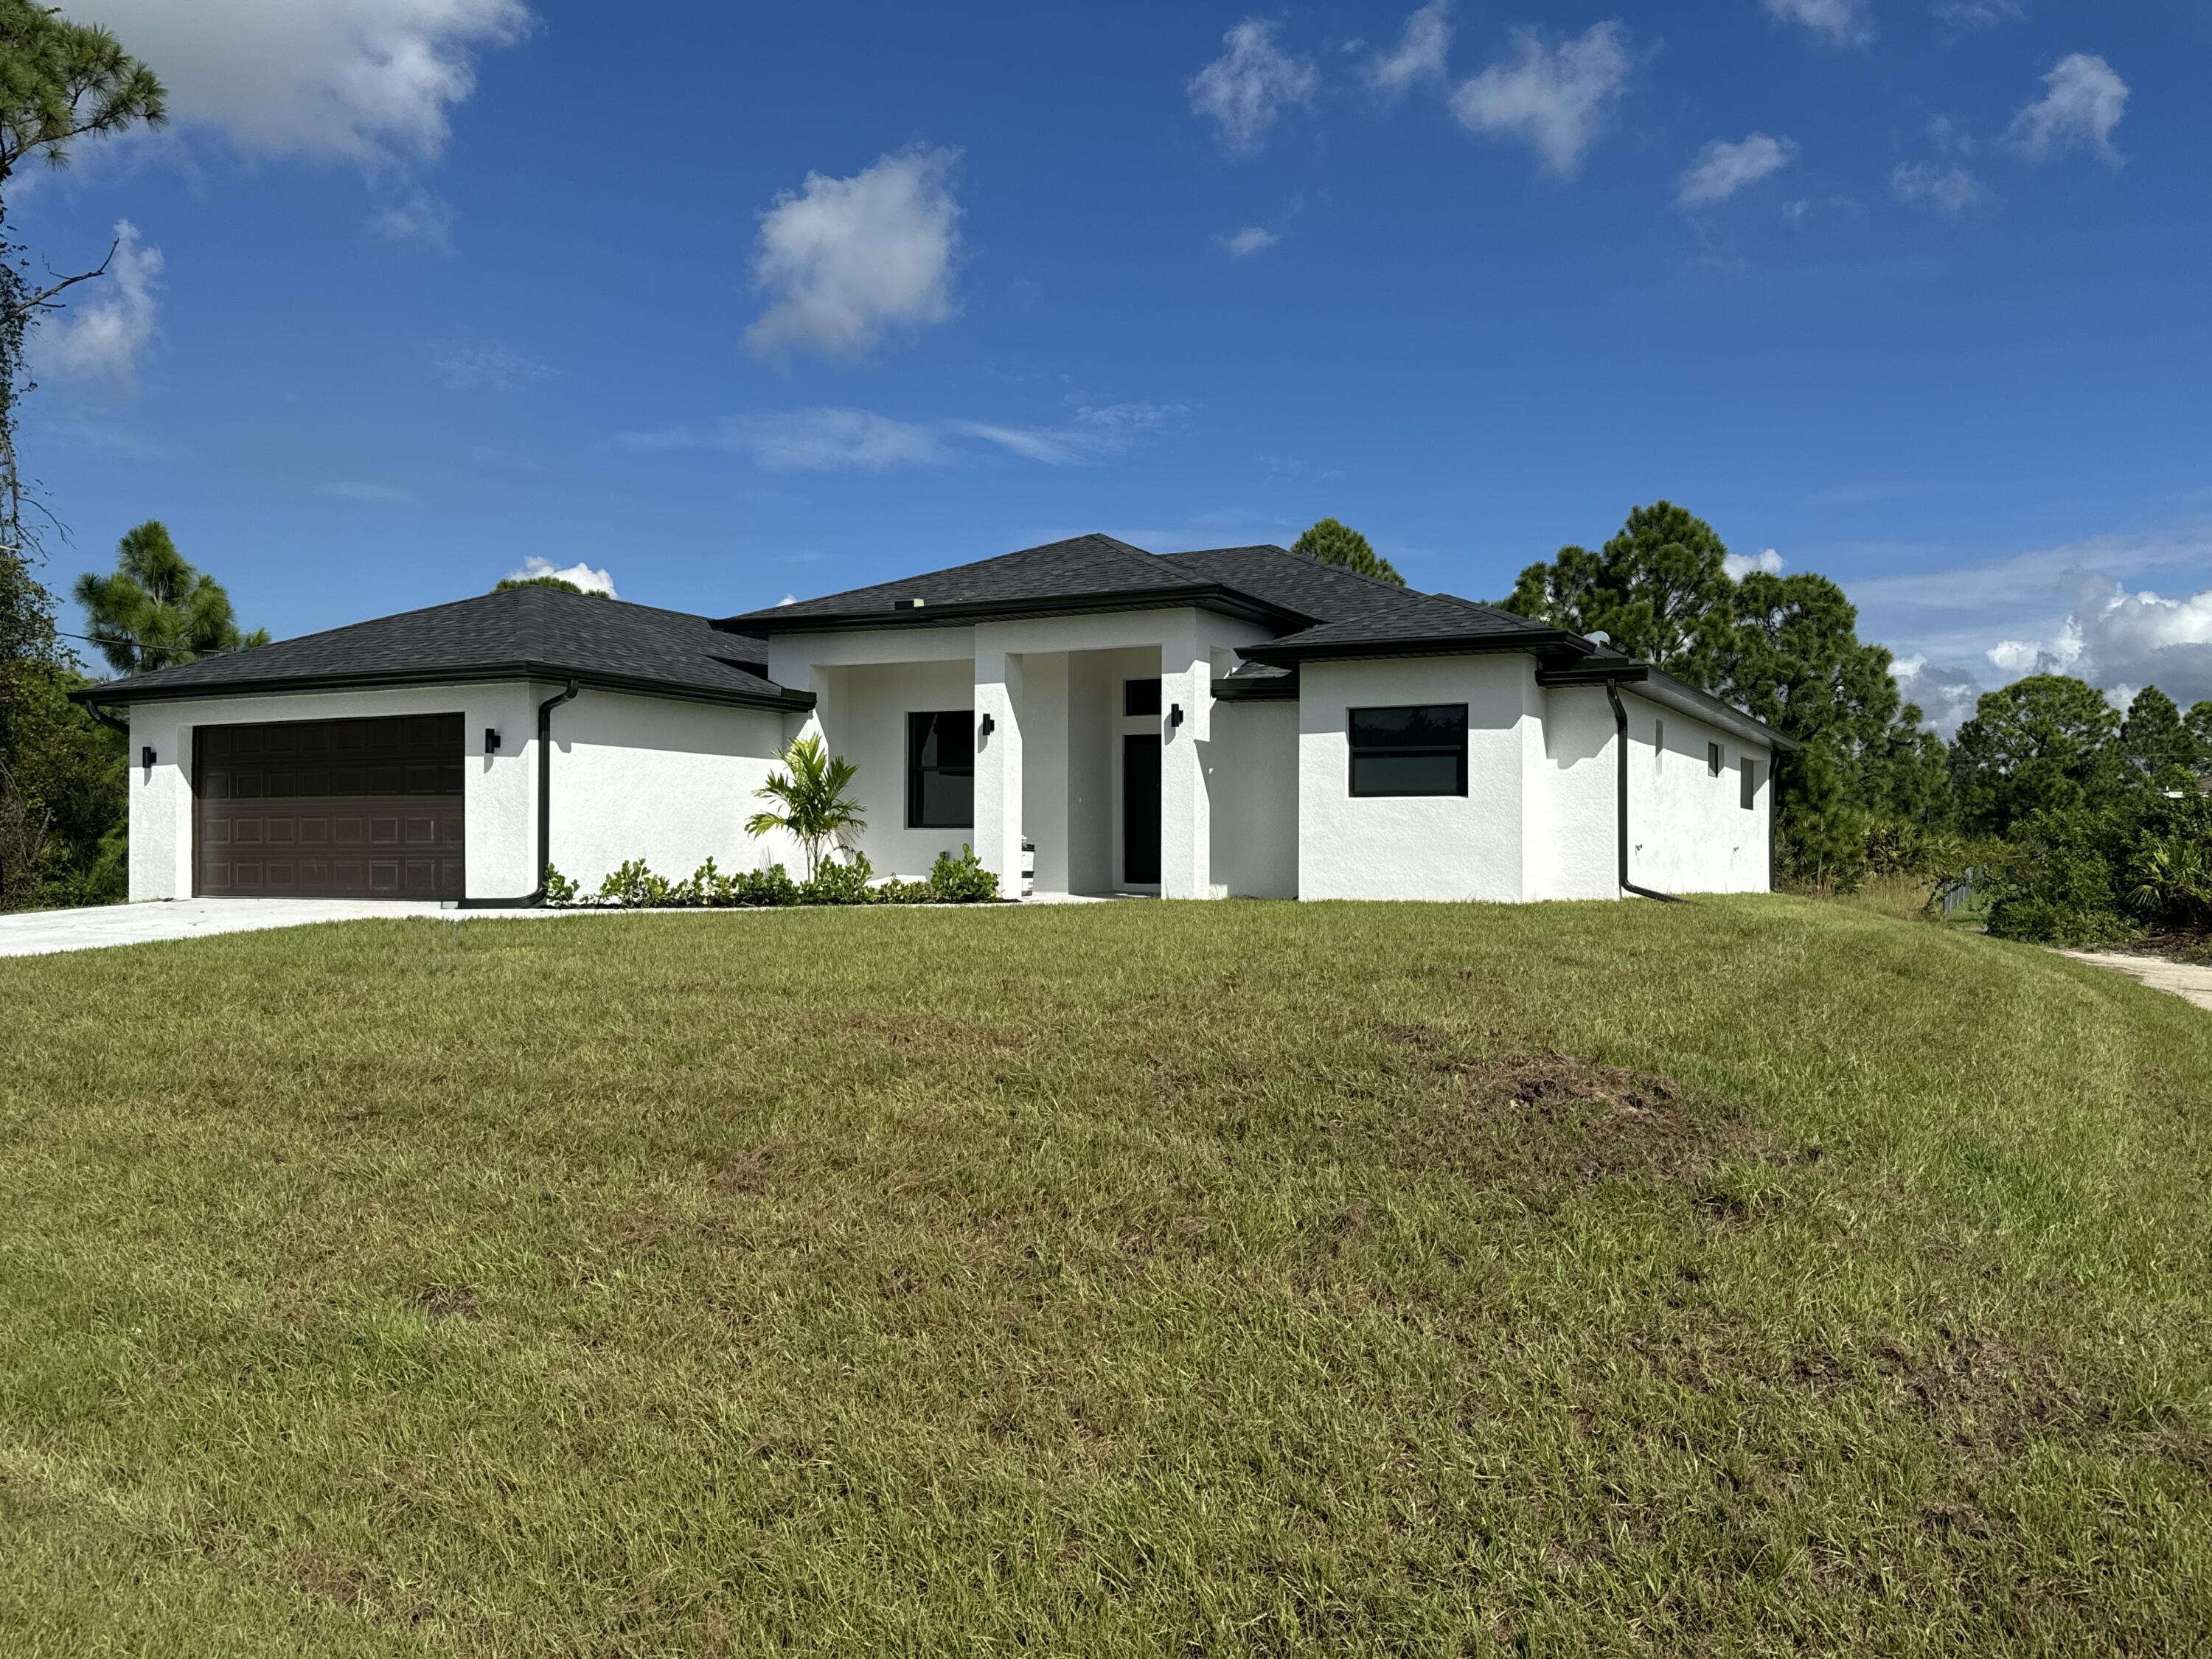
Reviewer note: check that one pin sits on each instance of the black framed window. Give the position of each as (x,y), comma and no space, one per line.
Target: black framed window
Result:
(1417,750)
(1713,761)
(1141,697)
(1748,792)
(940,771)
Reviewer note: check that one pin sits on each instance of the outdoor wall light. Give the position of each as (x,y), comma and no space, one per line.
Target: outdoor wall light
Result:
(1175,714)
(146,756)
(989,726)
(491,740)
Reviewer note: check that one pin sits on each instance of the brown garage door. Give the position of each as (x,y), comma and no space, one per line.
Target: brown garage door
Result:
(330,809)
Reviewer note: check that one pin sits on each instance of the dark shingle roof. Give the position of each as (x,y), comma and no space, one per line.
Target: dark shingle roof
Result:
(539,632)
(1087,573)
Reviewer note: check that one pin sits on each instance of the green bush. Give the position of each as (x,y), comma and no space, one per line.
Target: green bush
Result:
(839,883)
(962,880)
(2053,883)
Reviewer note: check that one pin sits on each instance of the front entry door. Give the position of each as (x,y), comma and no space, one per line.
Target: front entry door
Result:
(1140,809)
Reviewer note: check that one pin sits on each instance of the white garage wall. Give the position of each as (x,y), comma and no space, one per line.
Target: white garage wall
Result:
(1688,830)
(1436,847)
(500,790)
(1252,774)
(660,778)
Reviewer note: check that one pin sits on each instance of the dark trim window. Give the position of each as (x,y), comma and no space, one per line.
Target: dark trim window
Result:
(1141,697)
(1418,750)
(940,771)
(1712,760)
(1747,794)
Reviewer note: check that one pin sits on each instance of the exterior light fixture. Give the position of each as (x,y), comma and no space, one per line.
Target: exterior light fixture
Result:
(146,756)
(987,726)
(491,740)
(1175,714)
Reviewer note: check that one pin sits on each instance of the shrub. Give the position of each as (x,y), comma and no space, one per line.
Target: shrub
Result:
(768,886)
(962,880)
(839,883)
(894,890)
(2054,883)
(559,889)
(632,886)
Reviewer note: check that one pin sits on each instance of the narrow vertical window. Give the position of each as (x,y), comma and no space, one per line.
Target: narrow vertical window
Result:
(1658,745)
(940,771)
(1712,760)
(1749,791)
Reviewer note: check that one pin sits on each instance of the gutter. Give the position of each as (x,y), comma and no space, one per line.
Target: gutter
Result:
(1620,727)
(102,715)
(784,702)
(535,898)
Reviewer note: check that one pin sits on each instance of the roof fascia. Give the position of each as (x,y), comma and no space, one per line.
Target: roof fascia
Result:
(1205,596)
(119,692)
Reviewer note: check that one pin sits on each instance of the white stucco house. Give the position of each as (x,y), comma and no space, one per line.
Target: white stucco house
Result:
(1235,722)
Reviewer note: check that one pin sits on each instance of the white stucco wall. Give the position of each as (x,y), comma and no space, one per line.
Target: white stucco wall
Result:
(1431,847)
(1688,830)
(866,724)
(1574,850)
(660,778)
(499,790)
(1252,775)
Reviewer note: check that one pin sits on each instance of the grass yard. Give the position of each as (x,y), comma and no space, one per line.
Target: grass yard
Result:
(1753,1276)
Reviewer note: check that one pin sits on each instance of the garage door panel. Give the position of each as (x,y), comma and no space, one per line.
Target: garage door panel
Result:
(332,808)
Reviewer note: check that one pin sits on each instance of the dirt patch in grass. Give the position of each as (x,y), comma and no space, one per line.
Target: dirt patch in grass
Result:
(1492,1118)
(443,1302)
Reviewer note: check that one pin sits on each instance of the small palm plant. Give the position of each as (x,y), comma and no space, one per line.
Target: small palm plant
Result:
(816,811)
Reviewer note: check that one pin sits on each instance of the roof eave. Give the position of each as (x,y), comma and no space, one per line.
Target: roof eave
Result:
(120,692)
(1663,689)
(1539,642)
(1208,595)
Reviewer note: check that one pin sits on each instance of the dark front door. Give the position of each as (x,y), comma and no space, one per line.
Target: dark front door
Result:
(1140,809)
(330,809)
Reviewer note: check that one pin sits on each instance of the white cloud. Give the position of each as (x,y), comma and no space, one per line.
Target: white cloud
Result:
(582,575)
(489,369)
(1947,695)
(1979,13)
(1740,565)
(1246,90)
(2083,102)
(1553,97)
(1418,57)
(1723,168)
(834,440)
(1950,189)
(2122,640)
(372,82)
(1845,22)
(103,338)
(354,489)
(1244,244)
(849,259)
(360,79)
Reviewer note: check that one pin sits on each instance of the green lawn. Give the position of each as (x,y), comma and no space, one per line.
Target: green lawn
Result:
(1755,1276)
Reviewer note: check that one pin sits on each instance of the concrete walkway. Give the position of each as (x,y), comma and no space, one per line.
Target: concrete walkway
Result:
(2186,980)
(40,932)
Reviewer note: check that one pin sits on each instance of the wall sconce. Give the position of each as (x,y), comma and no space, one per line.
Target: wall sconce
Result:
(1175,714)
(987,726)
(491,740)
(146,756)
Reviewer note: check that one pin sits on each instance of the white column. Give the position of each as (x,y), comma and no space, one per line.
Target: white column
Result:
(999,762)
(1186,819)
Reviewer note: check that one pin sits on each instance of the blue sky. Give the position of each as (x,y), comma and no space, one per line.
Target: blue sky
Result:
(762,300)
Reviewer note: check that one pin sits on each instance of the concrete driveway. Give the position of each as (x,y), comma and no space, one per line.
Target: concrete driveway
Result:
(2187,980)
(39,933)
